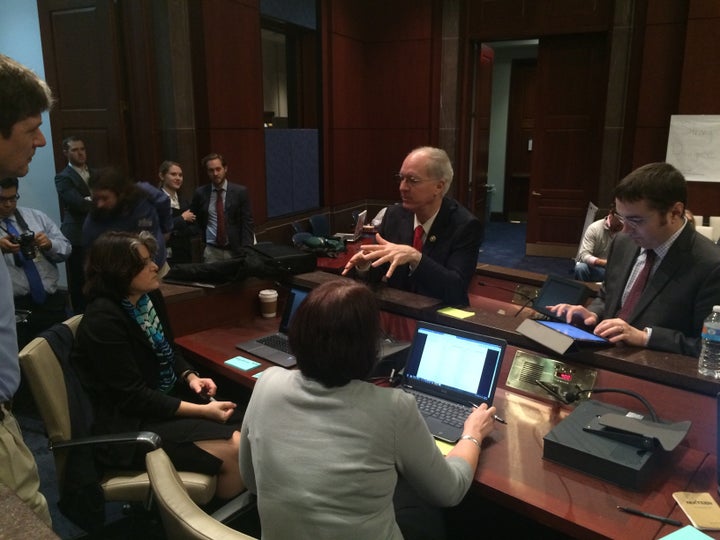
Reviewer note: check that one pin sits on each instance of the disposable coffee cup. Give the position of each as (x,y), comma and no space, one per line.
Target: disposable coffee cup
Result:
(268,302)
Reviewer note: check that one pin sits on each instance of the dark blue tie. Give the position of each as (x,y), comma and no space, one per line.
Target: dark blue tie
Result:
(37,290)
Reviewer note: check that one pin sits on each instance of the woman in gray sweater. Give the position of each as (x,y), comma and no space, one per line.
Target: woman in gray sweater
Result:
(323,449)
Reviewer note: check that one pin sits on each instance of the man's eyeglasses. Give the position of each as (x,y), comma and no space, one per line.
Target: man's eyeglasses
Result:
(11,199)
(410,180)
(633,221)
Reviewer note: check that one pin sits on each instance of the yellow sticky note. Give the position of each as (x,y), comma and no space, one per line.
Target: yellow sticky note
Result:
(457,313)
(444,447)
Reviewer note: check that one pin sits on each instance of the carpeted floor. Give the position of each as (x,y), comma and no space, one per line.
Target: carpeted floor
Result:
(504,245)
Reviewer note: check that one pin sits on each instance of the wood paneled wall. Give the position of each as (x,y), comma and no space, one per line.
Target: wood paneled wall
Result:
(679,75)
(700,87)
(381,81)
(381,92)
(495,20)
(227,80)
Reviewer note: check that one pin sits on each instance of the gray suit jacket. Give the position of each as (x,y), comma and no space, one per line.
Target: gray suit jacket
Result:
(72,191)
(680,295)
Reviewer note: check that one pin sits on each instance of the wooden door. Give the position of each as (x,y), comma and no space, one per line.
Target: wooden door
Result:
(572,78)
(482,95)
(82,64)
(520,131)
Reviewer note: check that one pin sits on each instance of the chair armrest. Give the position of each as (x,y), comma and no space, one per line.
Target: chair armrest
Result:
(149,438)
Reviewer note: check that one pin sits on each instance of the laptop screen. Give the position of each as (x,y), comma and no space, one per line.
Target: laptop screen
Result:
(557,290)
(295,298)
(454,364)
(360,223)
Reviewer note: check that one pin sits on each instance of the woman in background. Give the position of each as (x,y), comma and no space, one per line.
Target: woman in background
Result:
(135,377)
(179,244)
(324,450)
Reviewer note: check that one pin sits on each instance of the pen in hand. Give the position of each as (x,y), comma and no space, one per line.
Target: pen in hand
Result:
(495,416)
(640,513)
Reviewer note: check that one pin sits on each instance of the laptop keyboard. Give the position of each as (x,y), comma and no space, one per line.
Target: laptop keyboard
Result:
(449,413)
(276,342)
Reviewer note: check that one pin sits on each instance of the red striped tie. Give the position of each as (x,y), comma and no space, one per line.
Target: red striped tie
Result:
(417,239)
(221,236)
(638,287)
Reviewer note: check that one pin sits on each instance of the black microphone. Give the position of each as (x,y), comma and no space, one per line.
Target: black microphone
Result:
(528,299)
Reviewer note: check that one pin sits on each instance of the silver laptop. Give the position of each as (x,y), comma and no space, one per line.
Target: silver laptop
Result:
(274,347)
(357,233)
(450,371)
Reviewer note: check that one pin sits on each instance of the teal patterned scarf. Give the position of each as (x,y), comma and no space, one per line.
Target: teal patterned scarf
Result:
(145,315)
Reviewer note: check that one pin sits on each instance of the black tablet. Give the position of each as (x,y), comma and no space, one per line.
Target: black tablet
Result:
(559,290)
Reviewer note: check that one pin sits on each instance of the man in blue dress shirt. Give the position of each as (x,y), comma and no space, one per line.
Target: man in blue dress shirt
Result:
(34,280)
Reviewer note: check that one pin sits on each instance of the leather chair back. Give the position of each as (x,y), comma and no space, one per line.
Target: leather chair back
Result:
(182,519)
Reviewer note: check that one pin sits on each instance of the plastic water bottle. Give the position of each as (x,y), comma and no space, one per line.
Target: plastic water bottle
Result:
(709,362)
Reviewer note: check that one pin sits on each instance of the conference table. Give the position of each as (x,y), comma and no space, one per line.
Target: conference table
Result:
(512,471)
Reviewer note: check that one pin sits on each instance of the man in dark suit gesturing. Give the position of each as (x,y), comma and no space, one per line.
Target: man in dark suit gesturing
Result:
(662,277)
(72,187)
(227,224)
(429,243)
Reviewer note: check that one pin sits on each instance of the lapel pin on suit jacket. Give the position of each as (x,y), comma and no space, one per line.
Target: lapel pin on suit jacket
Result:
(432,239)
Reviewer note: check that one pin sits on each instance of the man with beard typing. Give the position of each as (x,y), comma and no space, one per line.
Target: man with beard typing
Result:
(119,204)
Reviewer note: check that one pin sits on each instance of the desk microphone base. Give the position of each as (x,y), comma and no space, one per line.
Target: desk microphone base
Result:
(625,465)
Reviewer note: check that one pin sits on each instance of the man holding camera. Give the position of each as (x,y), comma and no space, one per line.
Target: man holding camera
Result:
(32,246)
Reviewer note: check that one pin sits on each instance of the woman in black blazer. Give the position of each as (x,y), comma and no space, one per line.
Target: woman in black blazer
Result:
(135,377)
(184,228)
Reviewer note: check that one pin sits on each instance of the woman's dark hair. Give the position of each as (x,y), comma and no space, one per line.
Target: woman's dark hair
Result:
(111,179)
(113,261)
(7,183)
(335,333)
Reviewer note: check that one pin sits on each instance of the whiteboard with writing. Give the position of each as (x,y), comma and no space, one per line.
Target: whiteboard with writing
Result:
(694,146)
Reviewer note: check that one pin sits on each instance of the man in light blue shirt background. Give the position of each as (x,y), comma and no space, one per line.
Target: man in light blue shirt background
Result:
(50,247)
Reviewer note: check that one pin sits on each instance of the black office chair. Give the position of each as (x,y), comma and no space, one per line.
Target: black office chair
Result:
(298,227)
(298,239)
(320,225)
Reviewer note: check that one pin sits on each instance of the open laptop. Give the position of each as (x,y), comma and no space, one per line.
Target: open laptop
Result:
(451,369)
(274,347)
(558,290)
(357,233)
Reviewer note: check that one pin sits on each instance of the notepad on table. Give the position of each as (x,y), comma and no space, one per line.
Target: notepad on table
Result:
(242,363)
(700,508)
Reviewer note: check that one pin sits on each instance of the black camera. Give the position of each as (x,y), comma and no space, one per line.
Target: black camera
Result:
(27,244)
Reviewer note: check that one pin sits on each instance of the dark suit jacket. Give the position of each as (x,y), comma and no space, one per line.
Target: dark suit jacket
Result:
(118,368)
(680,294)
(449,257)
(72,191)
(181,235)
(238,214)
